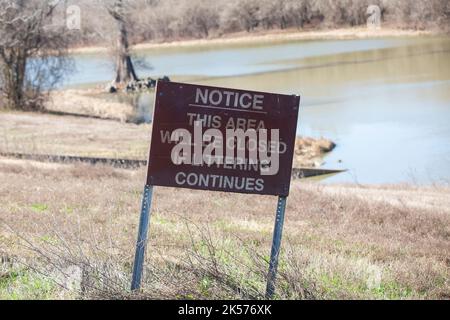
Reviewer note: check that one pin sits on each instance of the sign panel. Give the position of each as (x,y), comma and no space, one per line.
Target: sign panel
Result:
(222,139)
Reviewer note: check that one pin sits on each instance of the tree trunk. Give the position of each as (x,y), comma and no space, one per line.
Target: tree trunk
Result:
(14,78)
(125,71)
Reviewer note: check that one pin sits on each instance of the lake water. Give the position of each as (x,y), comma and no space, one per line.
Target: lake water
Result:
(385,102)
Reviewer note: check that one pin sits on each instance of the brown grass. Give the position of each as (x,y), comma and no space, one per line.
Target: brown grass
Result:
(68,231)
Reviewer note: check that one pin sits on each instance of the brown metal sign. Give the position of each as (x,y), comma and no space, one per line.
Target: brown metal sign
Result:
(222,139)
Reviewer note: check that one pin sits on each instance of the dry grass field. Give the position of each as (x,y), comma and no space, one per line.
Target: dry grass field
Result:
(68,231)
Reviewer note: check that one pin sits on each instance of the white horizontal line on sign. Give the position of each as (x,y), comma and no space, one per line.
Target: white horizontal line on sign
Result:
(227,109)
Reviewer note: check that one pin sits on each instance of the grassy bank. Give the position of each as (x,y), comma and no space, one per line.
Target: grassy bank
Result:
(72,135)
(68,231)
(85,136)
(89,103)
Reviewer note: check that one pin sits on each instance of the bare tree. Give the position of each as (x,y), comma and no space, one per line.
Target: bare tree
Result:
(125,71)
(198,19)
(33,53)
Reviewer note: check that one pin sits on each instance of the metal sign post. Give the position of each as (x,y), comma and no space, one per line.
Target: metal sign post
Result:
(276,244)
(142,237)
(189,111)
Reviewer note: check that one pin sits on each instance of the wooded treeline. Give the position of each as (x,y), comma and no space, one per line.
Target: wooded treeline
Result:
(35,35)
(159,20)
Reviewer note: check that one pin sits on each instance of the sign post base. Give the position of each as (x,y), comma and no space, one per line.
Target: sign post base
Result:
(277,234)
(142,238)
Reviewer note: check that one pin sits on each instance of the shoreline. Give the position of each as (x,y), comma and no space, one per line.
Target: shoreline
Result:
(255,38)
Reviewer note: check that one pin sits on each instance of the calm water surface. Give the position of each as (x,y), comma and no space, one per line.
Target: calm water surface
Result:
(385,102)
